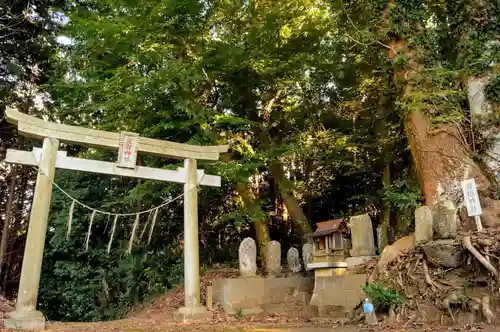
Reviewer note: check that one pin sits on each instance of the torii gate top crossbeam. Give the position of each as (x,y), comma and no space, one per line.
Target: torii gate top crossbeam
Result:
(38,128)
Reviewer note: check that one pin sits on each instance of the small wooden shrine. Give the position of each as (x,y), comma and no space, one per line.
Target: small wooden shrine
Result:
(328,241)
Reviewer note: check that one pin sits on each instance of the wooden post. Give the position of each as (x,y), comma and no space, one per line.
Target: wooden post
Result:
(479,224)
(26,316)
(210,295)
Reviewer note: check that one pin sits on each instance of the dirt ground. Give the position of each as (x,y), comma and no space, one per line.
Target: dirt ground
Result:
(157,316)
(140,325)
(196,328)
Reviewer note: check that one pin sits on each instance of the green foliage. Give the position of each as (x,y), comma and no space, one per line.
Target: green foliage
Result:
(239,313)
(308,84)
(493,91)
(98,287)
(78,285)
(400,60)
(382,297)
(403,195)
(209,77)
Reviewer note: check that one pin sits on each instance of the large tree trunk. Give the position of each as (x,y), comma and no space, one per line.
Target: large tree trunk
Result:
(440,153)
(293,207)
(295,210)
(441,156)
(257,216)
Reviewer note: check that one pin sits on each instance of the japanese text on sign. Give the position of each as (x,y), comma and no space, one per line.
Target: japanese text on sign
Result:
(471,198)
(127,151)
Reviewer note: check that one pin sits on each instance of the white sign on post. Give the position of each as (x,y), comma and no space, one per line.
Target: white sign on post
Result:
(471,198)
(127,150)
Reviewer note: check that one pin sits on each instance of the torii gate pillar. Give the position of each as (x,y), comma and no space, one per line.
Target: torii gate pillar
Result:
(192,307)
(26,316)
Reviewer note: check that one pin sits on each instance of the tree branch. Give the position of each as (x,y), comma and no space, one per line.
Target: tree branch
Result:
(269,107)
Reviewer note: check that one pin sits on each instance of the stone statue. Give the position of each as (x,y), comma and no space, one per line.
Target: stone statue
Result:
(293,260)
(273,258)
(307,254)
(248,257)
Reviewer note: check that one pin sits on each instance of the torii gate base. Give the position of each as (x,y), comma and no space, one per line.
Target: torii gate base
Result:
(26,321)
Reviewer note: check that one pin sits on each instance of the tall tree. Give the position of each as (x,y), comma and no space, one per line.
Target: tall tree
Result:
(431,46)
(226,68)
(27,40)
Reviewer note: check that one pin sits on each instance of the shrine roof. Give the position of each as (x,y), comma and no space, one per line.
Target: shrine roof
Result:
(326,227)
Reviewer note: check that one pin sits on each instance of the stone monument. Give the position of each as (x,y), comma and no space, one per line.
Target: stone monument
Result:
(382,238)
(293,260)
(445,220)
(307,254)
(363,242)
(248,257)
(423,225)
(272,254)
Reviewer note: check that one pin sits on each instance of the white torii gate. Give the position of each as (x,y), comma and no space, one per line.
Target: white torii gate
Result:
(129,144)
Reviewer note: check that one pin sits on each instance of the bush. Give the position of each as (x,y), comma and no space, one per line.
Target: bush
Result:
(382,297)
(96,286)
(81,285)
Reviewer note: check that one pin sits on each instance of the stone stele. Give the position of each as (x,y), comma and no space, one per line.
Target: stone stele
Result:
(307,254)
(248,257)
(273,258)
(423,225)
(382,238)
(445,220)
(293,260)
(363,242)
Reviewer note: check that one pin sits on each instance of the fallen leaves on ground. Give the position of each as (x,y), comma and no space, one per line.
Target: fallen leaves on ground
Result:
(158,315)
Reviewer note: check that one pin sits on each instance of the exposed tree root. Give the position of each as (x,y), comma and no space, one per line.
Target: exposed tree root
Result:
(467,244)
(440,294)
(428,278)
(447,306)
(488,314)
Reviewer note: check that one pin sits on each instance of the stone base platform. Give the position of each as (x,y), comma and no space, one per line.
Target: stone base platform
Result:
(359,260)
(297,296)
(30,321)
(193,314)
(255,295)
(334,296)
